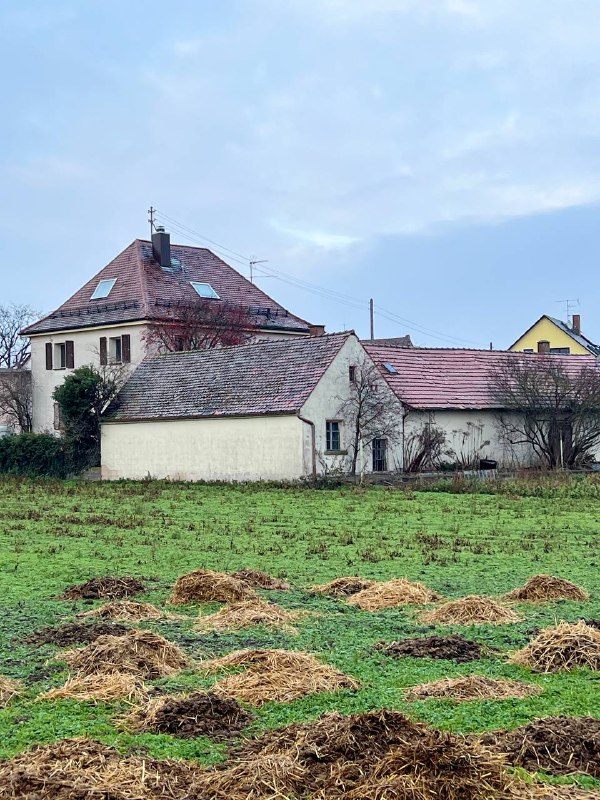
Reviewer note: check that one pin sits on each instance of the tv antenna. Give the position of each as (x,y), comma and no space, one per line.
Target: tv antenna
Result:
(253,262)
(152,212)
(568,304)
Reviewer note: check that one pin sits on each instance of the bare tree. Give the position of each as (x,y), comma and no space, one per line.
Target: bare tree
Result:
(14,348)
(549,405)
(201,326)
(15,398)
(425,447)
(368,411)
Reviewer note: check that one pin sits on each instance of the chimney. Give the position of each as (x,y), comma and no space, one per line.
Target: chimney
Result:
(576,325)
(316,330)
(161,246)
(544,346)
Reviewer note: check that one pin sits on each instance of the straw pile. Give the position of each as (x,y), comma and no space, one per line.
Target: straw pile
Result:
(388,594)
(204,585)
(80,769)
(107,588)
(100,688)
(8,689)
(558,745)
(75,633)
(260,580)
(275,675)
(128,610)
(472,687)
(547,587)
(452,648)
(471,610)
(564,647)
(248,613)
(343,587)
(141,653)
(188,716)
(274,777)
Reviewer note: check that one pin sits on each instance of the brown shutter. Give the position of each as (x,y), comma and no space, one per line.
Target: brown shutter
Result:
(48,355)
(103,352)
(126,348)
(70,354)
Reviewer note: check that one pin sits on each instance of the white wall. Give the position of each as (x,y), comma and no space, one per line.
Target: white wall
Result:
(86,352)
(225,449)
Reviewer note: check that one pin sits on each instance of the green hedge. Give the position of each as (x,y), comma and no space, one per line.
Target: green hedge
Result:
(36,455)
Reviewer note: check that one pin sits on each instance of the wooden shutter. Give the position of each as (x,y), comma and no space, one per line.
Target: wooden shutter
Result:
(103,352)
(70,354)
(48,355)
(126,348)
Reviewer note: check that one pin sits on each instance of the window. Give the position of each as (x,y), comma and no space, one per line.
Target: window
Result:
(352,374)
(528,350)
(332,435)
(60,356)
(391,369)
(103,289)
(379,455)
(115,350)
(204,290)
(561,351)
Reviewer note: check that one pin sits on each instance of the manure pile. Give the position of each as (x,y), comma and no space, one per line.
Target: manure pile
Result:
(275,675)
(248,613)
(561,648)
(75,633)
(107,588)
(128,610)
(389,594)
(343,587)
(471,610)
(100,687)
(452,648)
(204,586)
(260,580)
(547,587)
(472,687)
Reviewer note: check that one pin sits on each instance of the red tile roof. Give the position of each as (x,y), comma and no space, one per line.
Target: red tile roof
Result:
(265,377)
(433,378)
(143,291)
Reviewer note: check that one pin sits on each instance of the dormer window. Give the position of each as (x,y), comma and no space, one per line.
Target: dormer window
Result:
(204,290)
(103,289)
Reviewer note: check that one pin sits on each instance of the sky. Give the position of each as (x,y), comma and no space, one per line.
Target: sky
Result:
(439,156)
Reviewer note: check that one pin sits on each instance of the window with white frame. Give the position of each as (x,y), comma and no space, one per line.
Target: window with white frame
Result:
(115,350)
(103,289)
(204,290)
(60,356)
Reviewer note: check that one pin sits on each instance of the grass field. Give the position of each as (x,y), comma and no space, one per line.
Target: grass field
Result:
(53,534)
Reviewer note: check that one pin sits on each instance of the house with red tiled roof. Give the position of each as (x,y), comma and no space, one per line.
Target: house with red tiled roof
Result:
(268,410)
(107,320)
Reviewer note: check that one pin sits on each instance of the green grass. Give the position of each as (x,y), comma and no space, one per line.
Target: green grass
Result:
(53,534)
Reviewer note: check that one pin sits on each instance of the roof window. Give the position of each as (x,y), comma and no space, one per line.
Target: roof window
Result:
(103,289)
(390,368)
(204,290)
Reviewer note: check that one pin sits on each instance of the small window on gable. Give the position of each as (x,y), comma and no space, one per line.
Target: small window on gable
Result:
(204,290)
(103,289)
(352,374)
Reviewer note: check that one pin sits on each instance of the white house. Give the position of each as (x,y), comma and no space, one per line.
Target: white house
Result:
(108,318)
(269,410)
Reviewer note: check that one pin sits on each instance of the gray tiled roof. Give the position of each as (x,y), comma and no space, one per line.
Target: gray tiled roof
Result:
(265,377)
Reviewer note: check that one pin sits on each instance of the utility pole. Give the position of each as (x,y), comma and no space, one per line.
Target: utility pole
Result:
(372,317)
(152,212)
(253,262)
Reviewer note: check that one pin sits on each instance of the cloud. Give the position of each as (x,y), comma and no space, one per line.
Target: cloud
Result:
(322,239)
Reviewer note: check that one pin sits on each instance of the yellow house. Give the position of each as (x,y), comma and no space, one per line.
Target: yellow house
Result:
(550,335)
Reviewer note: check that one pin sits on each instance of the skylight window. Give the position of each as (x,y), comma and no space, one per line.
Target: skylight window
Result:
(103,289)
(391,369)
(204,290)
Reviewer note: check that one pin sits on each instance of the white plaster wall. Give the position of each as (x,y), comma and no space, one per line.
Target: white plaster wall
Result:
(325,402)
(225,449)
(86,352)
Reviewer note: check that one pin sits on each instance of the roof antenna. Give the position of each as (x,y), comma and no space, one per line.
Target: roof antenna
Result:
(253,262)
(152,212)
(568,305)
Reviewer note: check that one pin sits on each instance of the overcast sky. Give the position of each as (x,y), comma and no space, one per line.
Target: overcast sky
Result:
(441,156)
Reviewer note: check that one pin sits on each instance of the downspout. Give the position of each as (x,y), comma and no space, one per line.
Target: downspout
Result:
(313,445)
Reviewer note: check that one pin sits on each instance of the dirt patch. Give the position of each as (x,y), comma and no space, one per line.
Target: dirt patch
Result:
(563,647)
(107,588)
(141,653)
(275,675)
(472,687)
(389,594)
(8,689)
(384,755)
(128,610)
(204,586)
(547,587)
(558,745)
(188,716)
(75,633)
(249,613)
(343,587)
(100,688)
(80,769)
(452,648)
(471,610)
(260,580)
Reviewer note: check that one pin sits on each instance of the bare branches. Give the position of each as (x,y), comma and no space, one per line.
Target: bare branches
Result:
(550,405)
(14,348)
(15,398)
(425,447)
(201,326)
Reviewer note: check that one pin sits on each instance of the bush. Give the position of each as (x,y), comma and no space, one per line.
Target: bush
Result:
(35,455)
